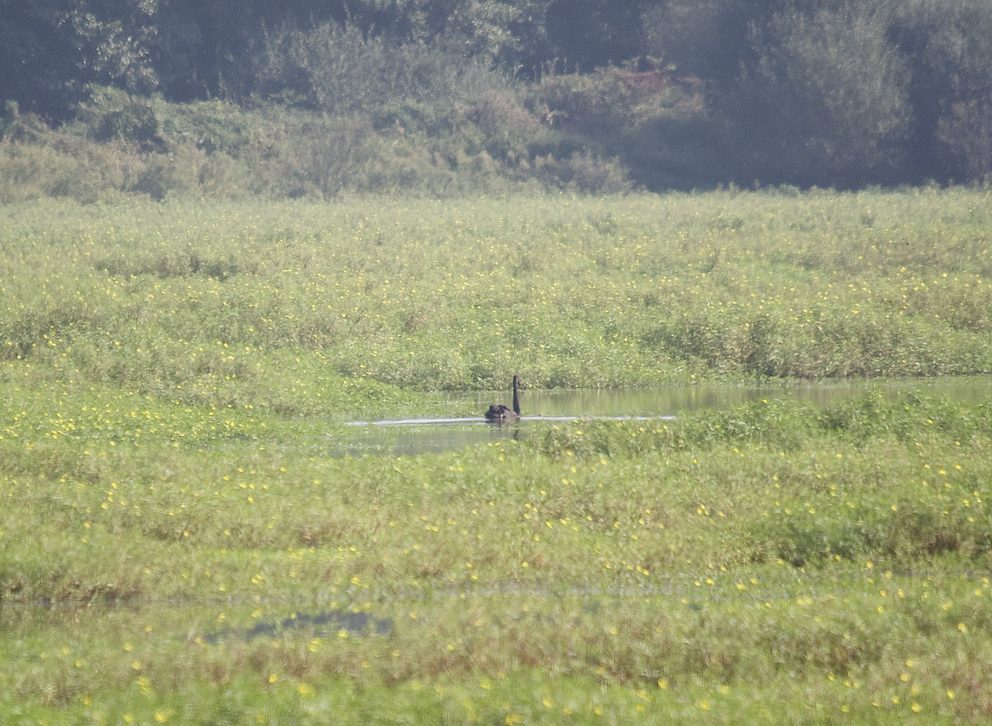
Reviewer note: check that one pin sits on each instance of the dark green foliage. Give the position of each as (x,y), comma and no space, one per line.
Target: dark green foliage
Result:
(948,45)
(655,93)
(590,34)
(15,126)
(110,114)
(340,70)
(50,50)
(825,99)
(839,93)
(705,38)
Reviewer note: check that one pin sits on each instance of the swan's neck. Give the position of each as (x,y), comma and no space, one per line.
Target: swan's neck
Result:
(516,397)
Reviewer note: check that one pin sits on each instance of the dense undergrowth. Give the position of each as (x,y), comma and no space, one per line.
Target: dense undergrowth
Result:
(440,97)
(176,544)
(554,135)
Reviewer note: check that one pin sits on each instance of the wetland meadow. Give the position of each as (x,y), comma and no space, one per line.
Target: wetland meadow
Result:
(190,534)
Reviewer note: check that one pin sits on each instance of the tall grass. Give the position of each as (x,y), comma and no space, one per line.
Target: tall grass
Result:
(460,294)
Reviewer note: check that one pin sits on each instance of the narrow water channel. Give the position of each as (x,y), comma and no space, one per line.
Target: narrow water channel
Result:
(408,436)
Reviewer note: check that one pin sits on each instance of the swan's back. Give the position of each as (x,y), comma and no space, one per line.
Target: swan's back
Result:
(502,412)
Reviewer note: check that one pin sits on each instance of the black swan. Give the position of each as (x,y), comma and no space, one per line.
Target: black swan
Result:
(500,412)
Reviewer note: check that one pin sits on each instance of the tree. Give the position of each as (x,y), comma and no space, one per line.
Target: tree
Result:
(51,49)
(589,34)
(825,97)
(808,91)
(705,38)
(219,48)
(948,46)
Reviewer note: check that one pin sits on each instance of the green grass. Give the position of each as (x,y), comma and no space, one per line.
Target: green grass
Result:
(206,302)
(165,504)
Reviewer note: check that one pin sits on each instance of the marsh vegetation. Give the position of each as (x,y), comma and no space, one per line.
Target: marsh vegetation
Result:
(174,548)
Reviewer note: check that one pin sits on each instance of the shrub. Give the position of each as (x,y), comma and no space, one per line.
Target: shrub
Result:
(65,166)
(610,97)
(15,126)
(655,128)
(341,70)
(111,114)
(584,171)
(322,157)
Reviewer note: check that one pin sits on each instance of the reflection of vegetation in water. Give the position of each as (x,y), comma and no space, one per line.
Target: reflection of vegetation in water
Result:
(321,624)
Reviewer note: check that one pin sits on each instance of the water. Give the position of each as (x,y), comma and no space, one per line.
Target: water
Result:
(323,624)
(408,436)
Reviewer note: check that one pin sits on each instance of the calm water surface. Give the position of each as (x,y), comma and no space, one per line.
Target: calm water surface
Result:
(406,436)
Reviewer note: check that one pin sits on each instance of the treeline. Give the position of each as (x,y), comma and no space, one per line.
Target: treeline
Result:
(303,97)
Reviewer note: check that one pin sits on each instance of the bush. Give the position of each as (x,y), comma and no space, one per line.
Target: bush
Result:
(342,71)
(15,126)
(826,97)
(65,166)
(654,128)
(585,172)
(319,157)
(110,114)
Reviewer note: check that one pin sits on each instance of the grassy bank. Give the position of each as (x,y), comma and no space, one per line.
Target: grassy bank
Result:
(207,302)
(177,547)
